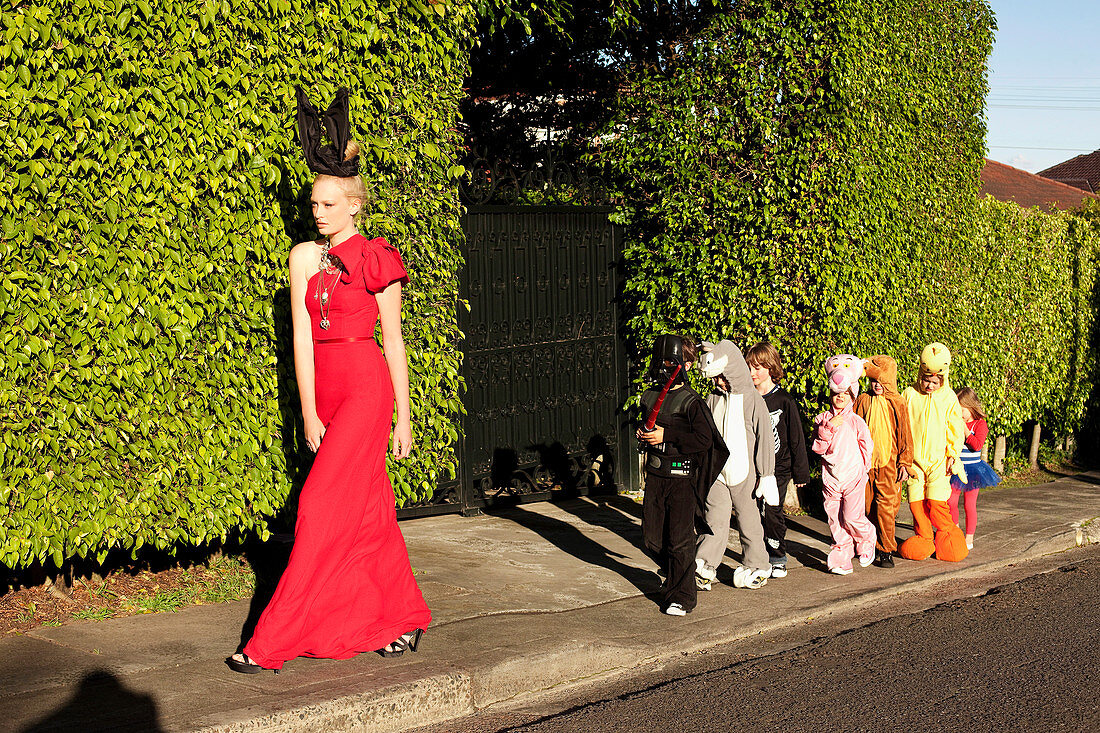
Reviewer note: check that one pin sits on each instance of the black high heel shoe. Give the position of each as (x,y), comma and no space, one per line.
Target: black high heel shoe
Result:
(409,640)
(247,666)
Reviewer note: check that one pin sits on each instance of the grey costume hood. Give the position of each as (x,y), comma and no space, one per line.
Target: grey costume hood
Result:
(725,358)
(741,415)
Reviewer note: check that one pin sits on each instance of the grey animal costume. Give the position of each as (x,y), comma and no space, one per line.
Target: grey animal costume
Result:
(743,420)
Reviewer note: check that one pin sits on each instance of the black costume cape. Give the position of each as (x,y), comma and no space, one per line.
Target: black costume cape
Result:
(711,466)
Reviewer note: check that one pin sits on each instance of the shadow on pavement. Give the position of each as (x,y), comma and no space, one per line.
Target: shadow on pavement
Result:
(619,514)
(808,556)
(102,703)
(801,528)
(571,540)
(624,504)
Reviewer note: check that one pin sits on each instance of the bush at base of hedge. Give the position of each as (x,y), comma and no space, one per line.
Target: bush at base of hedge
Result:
(807,173)
(147,393)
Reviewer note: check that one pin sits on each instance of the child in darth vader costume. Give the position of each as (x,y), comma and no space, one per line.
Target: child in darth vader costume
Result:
(684,453)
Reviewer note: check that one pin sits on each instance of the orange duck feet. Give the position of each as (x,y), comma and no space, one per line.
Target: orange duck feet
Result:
(951,546)
(950,541)
(917,548)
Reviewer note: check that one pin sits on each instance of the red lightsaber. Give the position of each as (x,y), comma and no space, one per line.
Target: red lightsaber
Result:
(651,421)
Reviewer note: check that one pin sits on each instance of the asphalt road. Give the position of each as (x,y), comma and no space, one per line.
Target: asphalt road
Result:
(1020,656)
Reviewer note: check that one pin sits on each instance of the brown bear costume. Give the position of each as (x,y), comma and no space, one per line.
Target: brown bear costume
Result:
(888,419)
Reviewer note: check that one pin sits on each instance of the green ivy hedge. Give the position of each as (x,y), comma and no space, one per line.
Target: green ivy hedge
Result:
(153,188)
(807,172)
(1026,343)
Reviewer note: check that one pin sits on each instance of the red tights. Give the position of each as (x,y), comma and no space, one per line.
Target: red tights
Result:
(970,503)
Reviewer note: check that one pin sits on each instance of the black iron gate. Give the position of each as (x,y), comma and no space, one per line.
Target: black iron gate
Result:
(544,366)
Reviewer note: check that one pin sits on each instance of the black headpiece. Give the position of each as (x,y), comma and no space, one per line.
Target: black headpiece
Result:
(668,348)
(327,159)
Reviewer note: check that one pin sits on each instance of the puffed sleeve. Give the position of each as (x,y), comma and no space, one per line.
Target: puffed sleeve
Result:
(375,263)
(382,265)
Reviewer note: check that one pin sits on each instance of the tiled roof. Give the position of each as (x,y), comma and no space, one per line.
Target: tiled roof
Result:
(1005,183)
(1081,183)
(1082,172)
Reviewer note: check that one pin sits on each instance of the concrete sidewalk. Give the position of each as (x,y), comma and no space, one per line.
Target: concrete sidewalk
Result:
(525,600)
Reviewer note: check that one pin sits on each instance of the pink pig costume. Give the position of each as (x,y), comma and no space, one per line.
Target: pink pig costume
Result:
(845,460)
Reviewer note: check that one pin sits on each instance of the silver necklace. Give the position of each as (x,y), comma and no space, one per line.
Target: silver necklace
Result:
(324,294)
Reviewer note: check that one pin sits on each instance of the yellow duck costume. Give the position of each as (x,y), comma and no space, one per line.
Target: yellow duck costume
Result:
(938,435)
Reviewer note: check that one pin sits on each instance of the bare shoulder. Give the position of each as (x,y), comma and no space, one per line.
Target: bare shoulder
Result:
(304,251)
(302,255)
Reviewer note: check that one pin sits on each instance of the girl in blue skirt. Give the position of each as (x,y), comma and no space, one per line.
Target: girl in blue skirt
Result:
(978,473)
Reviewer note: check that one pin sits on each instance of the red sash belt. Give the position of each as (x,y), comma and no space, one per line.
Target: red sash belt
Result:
(350,340)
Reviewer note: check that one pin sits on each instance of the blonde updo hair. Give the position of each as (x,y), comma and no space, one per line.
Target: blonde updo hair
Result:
(352,186)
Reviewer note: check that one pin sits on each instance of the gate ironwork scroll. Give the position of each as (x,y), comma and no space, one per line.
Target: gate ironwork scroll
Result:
(545,369)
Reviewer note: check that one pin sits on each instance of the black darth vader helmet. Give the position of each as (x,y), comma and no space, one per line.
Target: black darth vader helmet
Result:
(668,352)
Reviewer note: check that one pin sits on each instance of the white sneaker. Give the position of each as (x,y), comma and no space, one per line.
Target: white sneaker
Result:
(702,570)
(970,542)
(675,609)
(739,574)
(701,583)
(841,571)
(755,579)
(865,561)
(779,571)
(744,577)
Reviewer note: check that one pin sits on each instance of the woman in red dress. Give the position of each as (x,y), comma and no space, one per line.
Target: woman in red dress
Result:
(348,587)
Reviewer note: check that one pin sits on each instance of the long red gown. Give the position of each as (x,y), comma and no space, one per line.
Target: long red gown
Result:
(349,587)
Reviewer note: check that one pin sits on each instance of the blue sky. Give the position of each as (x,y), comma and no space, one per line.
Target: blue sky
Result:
(1044,82)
